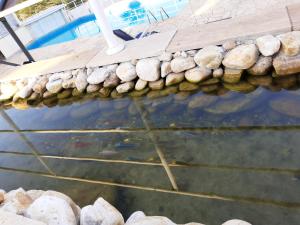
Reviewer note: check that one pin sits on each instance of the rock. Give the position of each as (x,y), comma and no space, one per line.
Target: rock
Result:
(1,196)
(81,81)
(134,61)
(262,66)
(210,81)
(66,75)
(165,69)
(52,211)
(236,222)
(242,57)
(89,71)
(290,43)
(111,81)
(148,69)
(202,100)
(209,88)
(16,201)
(157,85)
(75,72)
(229,45)
(191,53)
(105,92)
(54,86)
(25,92)
(166,57)
(182,95)
(174,78)
(65,94)
(181,64)
(101,213)
(48,94)
(8,90)
(91,88)
(210,57)
(139,93)
(40,85)
(268,45)
(197,74)
(7,218)
(126,72)
(140,85)
(70,83)
(152,220)
(285,65)
(218,73)
(240,87)
(76,93)
(20,104)
(135,217)
(187,86)
(232,75)
(260,80)
(98,75)
(111,68)
(123,88)
(35,194)
(55,76)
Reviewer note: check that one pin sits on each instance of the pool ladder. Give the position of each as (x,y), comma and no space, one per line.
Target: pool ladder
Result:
(162,12)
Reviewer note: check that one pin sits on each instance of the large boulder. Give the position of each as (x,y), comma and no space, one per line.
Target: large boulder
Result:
(290,43)
(197,74)
(262,66)
(285,65)
(268,45)
(7,218)
(126,71)
(181,64)
(210,57)
(148,69)
(242,57)
(52,211)
(101,213)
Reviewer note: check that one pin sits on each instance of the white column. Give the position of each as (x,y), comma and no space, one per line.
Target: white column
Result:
(115,45)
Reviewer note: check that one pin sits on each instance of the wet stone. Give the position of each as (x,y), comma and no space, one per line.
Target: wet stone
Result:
(232,75)
(141,84)
(124,88)
(187,86)
(218,73)
(262,66)
(105,92)
(50,102)
(209,88)
(260,80)
(157,85)
(64,94)
(286,81)
(182,95)
(116,94)
(169,90)
(197,74)
(48,94)
(210,81)
(174,78)
(139,93)
(285,65)
(91,88)
(240,87)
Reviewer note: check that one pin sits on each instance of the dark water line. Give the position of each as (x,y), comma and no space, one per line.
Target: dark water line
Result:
(198,195)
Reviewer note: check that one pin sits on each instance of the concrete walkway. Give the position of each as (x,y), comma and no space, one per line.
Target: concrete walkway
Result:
(89,51)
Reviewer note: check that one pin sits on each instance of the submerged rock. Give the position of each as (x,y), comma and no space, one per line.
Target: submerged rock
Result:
(241,57)
(187,86)
(210,81)
(139,93)
(197,74)
(232,76)
(260,80)
(65,94)
(157,85)
(126,71)
(174,78)
(262,66)
(105,92)
(148,69)
(126,87)
(286,81)
(268,45)
(209,57)
(91,88)
(209,88)
(181,64)
(240,87)
(285,65)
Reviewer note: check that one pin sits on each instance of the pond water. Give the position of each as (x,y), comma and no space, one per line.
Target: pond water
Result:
(230,154)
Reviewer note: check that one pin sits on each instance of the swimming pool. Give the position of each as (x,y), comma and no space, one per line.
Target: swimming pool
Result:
(129,13)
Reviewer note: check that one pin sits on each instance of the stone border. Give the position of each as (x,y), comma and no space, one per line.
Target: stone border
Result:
(188,70)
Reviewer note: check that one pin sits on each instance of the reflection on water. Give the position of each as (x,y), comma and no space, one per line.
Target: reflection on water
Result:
(206,157)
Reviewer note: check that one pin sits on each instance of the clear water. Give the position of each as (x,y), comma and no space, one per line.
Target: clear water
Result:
(233,155)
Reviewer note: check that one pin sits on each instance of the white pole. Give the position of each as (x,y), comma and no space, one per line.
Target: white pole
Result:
(115,45)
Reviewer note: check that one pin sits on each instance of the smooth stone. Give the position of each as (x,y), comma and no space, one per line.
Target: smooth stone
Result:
(76,93)
(242,57)
(209,88)
(148,69)
(91,88)
(210,81)
(181,64)
(51,101)
(232,75)
(285,65)
(187,86)
(152,220)
(2,193)
(115,94)
(166,57)
(236,222)
(55,76)
(25,92)
(197,74)
(98,75)
(124,88)
(111,81)
(191,53)
(210,57)
(75,72)
(157,85)
(65,94)
(218,73)
(134,61)
(16,201)
(290,43)
(174,78)
(135,217)
(7,218)
(261,67)
(8,90)
(54,86)
(169,90)
(126,72)
(105,92)
(89,71)
(260,80)
(286,106)
(35,194)
(202,100)
(139,93)
(81,81)
(240,87)
(70,83)
(101,213)
(154,94)
(40,85)
(268,45)
(112,68)
(141,84)
(165,69)
(229,45)
(66,75)
(52,211)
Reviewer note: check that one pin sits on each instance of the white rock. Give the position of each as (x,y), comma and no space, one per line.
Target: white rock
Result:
(141,84)
(35,194)
(81,81)
(241,57)
(210,57)
(192,223)
(55,76)
(111,68)
(66,75)
(148,69)
(52,211)
(229,45)
(165,69)
(290,43)
(236,222)
(54,86)
(91,88)
(7,218)
(101,213)
(98,75)
(174,78)
(89,71)
(123,88)
(152,220)
(268,45)
(70,83)
(126,71)
(181,64)
(8,90)
(166,57)
(135,217)
(21,83)
(26,91)
(40,85)
(197,74)
(75,72)
(217,73)
(191,53)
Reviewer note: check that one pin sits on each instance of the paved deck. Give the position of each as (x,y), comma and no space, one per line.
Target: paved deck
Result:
(173,37)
